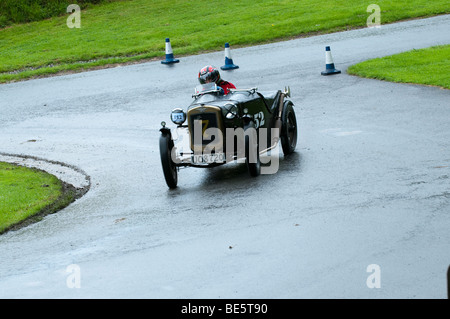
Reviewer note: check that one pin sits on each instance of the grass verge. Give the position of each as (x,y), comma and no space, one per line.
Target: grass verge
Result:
(430,66)
(127,31)
(27,194)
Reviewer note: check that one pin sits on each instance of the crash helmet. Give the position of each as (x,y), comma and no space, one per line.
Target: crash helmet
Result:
(209,74)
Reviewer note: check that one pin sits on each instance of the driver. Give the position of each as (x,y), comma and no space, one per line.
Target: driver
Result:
(210,74)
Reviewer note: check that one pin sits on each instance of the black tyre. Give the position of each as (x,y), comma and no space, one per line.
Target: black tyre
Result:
(251,150)
(288,132)
(168,166)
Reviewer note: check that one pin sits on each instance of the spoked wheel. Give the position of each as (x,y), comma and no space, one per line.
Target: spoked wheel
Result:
(168,166)
(288,129)
(251,150)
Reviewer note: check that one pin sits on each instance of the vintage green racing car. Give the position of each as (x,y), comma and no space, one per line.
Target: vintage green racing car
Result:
(243,124)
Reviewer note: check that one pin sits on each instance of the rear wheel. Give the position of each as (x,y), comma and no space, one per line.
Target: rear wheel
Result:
(251,150)
(168,166)
(288,129)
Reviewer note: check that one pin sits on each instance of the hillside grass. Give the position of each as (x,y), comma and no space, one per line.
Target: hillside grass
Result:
(430,66)
(22,11)
(135,30)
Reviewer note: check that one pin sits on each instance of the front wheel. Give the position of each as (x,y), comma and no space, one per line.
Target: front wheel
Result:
(288,129)
(168,166)
(251,150)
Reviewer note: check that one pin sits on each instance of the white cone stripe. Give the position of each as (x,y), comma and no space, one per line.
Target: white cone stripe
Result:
(328,58)
(227,53)
(168,48)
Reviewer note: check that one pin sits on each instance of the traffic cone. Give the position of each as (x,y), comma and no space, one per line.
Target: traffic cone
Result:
(169,54)
(329,69)
(228,60)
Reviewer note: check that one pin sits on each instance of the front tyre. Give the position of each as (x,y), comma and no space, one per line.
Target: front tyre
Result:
(288,129)
(251,150)
(168,166)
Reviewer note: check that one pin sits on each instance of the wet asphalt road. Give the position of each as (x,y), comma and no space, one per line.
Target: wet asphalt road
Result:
(368,184)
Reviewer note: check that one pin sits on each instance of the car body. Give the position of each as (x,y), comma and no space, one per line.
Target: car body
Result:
(221,128)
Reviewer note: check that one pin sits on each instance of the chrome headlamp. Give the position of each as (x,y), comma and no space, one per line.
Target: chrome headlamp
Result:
(178,116)
(232,111)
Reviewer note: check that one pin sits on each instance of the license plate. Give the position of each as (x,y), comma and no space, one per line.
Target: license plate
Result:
(208,158)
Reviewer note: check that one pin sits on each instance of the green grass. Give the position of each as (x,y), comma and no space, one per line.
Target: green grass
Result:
(134,30)
(429,66)
(21,11)
(25,192)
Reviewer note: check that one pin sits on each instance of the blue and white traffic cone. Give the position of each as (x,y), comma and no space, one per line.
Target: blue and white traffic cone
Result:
(169,54)
(329,68)
(228,60)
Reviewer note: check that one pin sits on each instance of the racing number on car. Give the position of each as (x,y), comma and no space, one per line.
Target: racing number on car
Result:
(259,119)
